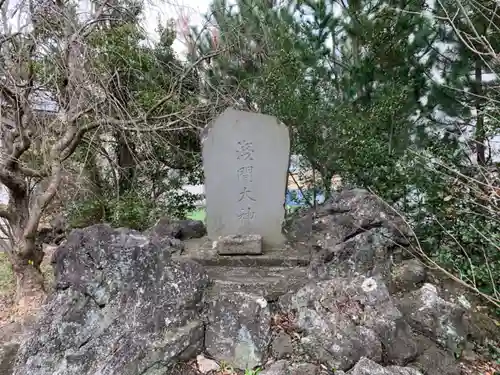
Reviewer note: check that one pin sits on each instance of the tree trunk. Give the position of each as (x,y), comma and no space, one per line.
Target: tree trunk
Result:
(94,173)
(126,162)
(25,259)
(480,133)
(125,147)
(26,256)
(29,278)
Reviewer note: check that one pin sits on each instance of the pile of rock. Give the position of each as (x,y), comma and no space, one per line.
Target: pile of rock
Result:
(130,303)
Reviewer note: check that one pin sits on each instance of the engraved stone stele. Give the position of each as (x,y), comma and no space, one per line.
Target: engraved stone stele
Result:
(245,160)
(239,244)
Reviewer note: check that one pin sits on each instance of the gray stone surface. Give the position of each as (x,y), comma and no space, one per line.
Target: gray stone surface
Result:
(329,315)
(283,367)
(130,303)
(408,275)
(277,368)
(8,353)
(238,329)
(344,319)
(368,367)
(178,229)
(304,369)
(245,159)
(121,306)
(440,320)
(170,233)
(268,282)
(355,233)
(239,244)
(282,346)
(435,361)
(202,251)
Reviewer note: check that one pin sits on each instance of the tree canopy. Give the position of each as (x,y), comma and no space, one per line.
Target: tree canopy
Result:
(397,97)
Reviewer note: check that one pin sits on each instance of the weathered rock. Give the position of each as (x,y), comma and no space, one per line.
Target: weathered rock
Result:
(349,318)
(380,314)
(277,368)
(399,343)
(8,354)
(341,351)
(344,319)
(408,275)
(283,367)
(367,367)
(13,331)
(354,211)
(440,320)
(181,368)
(121,306)
(239,244)
(179,229)
(482,328)
(170,234)
(299,225)
(356,234)
(238,329)
(206,365)
(304,369)
(282,346)
(435,361)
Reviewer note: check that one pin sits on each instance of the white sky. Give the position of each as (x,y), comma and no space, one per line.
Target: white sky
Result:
(193,10)
(155,10)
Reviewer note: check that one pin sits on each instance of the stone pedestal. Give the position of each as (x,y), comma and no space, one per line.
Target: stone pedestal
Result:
(239,244)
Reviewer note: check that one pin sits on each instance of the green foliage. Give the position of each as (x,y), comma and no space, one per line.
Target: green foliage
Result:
(253,372)
(133,210)
(86,212)
(354,88)
(464,232)
(338,122)
(145,170)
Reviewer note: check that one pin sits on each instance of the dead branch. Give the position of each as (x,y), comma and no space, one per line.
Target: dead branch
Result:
(79,89)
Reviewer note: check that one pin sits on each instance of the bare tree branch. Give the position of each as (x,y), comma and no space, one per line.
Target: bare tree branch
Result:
(59,55)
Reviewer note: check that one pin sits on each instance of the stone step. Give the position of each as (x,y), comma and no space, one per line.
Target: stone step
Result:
(201,250)
(269,282)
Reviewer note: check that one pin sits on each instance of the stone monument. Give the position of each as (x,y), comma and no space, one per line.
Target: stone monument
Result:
(245,159)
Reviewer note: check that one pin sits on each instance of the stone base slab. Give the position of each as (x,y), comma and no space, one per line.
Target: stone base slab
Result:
(239,244)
